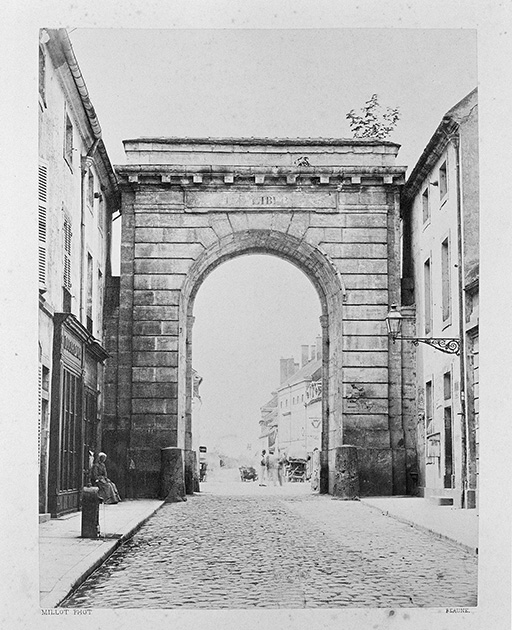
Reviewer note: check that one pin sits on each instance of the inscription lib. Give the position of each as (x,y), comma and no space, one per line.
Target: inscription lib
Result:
(251,200)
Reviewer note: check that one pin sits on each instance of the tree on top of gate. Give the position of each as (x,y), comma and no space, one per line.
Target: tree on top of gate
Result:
(375,121)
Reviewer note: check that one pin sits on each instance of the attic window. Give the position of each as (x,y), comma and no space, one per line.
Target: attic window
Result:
(42,77)
(426,205)
(68,141)
(443,180)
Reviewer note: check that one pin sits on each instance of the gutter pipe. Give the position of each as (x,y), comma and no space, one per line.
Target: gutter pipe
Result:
(455,140)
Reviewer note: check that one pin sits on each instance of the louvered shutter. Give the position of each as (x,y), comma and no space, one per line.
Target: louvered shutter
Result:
(43,198)
(67,254)
(39,412)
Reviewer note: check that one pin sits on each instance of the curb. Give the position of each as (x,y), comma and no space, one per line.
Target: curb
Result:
(423,528)
(64,591)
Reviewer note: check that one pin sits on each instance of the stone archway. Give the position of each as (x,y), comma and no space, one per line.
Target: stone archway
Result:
(328,284)
(328,206)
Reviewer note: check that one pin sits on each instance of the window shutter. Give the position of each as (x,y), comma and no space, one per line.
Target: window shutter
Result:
(39,412)
(43,199)
(67,254)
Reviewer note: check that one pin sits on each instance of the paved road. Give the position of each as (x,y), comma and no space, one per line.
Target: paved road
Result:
(241,546)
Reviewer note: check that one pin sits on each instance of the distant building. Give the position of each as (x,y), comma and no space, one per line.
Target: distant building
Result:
(440,211)
(268,424)
(200,449)
(77,197)
(292,419)
(196,412)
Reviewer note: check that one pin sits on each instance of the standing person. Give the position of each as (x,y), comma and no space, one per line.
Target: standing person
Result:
(107,489)
(263,468)
(273,465)
(281,466)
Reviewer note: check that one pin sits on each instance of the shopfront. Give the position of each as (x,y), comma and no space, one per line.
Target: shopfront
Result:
(74,419)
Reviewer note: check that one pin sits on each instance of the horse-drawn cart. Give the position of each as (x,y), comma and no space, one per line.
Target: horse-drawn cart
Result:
(247,473)
(296,470)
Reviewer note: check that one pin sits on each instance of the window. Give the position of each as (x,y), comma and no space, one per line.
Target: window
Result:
(66,268)
(443,180)
(448,448)
(70,431)
(89,292)
(101,217)
(448,431)
(445,280)
(90,189)
(68,142)
(447,385)
(42,77)
(427,278)
(43,198)
(429,418)
(426,205)
(100,295)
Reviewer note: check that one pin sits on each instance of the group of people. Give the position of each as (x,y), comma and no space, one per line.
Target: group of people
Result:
(272,467)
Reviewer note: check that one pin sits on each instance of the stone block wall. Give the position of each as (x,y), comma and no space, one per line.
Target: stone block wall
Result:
(341,231)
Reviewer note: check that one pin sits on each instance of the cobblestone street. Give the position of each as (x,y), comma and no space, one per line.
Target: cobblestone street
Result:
(239,545)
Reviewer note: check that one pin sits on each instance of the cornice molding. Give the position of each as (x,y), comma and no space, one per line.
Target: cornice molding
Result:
(131,175)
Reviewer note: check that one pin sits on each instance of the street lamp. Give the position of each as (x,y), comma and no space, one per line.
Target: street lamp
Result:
(394,325)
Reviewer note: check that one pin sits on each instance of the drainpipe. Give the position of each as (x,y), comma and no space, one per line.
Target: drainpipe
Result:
(455,139)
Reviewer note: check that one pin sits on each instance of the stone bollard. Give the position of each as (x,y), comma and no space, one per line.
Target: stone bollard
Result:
(346,473)
(172,475)
(90,512)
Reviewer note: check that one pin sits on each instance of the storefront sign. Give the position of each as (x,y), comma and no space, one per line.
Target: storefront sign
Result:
(71,349)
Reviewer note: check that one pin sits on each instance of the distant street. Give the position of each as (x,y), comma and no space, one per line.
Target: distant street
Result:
(239,545)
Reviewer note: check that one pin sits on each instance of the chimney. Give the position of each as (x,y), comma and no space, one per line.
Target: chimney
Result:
(313,352)
(283,369)
(319,347)
(305,355)
(288,368)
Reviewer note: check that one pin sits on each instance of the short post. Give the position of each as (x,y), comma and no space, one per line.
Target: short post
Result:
(172,475)
(90,512)
(346,473)
(191,475)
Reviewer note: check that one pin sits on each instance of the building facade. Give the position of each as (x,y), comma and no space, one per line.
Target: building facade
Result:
(77,197)
(268,424)
(299,411)
(440,211)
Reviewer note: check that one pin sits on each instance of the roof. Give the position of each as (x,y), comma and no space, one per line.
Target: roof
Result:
(268,406)
(61,50)
(449,125)
(265,141)
(306,373)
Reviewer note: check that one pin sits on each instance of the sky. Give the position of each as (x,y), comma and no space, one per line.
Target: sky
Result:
(273,82)
(252,311)
(237,344)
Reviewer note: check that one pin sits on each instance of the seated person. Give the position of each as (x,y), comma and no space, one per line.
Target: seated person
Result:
(107,489)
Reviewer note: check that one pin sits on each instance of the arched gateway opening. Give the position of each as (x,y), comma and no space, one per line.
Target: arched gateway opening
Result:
(330,207)
(328,284)
(256,356)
